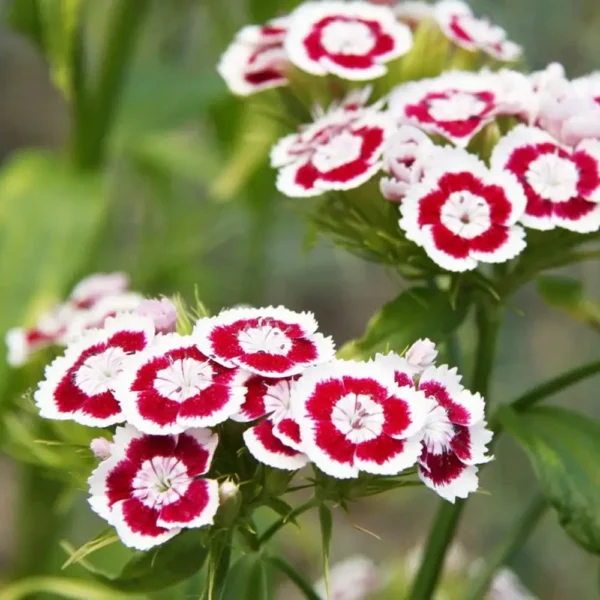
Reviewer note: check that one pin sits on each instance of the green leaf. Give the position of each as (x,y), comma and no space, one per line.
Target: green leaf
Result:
(103,539)
(247,579)
(564,447)
(160,568)
(47,211)
(61,587)
(567,294)
(326,522)
(417,313)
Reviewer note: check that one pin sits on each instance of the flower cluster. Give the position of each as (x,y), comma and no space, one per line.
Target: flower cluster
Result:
(472,158)
(268,368)
(92,301)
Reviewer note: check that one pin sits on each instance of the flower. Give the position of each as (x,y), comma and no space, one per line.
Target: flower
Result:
(507,586)
(163,312)
(256,60)
(339,151)
(456,105)
(274,441)
(412,12)
(569,110)
(562,184)
(352,40)
(272,341)
(152,486)
(454,435)
(403,158)
(173,385)
(462,213)
(354,417)
(421,355)
(354,578)
(101,448)
(99,285)
(467,31)
(80,385)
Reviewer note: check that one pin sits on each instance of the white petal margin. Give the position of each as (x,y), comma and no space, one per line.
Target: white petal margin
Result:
(441,258)
(466,483)
(514,245)
(302,22)
(480,436)
(400,462)
(128,399)
(271,458)
(134,539)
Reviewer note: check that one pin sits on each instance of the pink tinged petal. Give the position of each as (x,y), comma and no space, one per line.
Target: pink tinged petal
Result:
(162,312)
(269,450)
(101,448)
(136,525)
(195,508)
(422,354)
(392,189)
(469,444)
(446,475)
(387,456)
(288,431)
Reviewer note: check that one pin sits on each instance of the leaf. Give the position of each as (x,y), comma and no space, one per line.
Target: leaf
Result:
(564,447)
(46,212)
(103,539)
(326,522)
(282,508)
(247,579)
(567,294)
(160,568)
(61,587)
(417,313)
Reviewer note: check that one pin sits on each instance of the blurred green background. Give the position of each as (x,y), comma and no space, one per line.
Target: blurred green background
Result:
(191,201)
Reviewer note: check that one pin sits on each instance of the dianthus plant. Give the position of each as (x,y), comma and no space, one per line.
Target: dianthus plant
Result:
(417,144)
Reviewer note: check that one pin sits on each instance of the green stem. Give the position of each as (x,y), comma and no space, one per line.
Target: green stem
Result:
(507,549)
(97,116)
(301,583)
(273,529)
(448,515)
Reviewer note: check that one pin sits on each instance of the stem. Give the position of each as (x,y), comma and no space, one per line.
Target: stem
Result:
(121,34)
(507,549)
(271,531)
(301,583)
(448,515)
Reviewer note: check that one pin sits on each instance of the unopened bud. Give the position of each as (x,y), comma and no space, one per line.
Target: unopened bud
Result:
(422,354)
(162,312)
(228,489)
(101,448)
(230,500)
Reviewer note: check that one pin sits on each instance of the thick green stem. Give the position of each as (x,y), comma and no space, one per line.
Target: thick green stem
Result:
(516,537)
(301,583)
(488,319)
(271,531)
(96,117)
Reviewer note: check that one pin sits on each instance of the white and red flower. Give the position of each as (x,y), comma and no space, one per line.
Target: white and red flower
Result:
(275,440)
(354,417)
(272,341)
(454,436)
(404,157)
(417,359)
(152,486)
(340,151)
(354,578)
(173,385)
(256,59)
(353,40)
(99,285)
(456,105)
(471,33)
(80,385)
(462,213)
(562,184)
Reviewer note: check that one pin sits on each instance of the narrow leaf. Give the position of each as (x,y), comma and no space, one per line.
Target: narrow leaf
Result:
(106,538)
(247,580)
(563,447)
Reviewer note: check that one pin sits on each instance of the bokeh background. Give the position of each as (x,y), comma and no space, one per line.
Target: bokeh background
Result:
(193,203)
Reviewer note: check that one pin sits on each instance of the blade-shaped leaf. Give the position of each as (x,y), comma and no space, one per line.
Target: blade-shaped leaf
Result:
(160,568)
(247,580)
(416,313)
(564,447)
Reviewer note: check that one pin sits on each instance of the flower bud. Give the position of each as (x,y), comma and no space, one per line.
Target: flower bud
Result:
(422,354)
(162,312)
(230,500)
(101,448)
